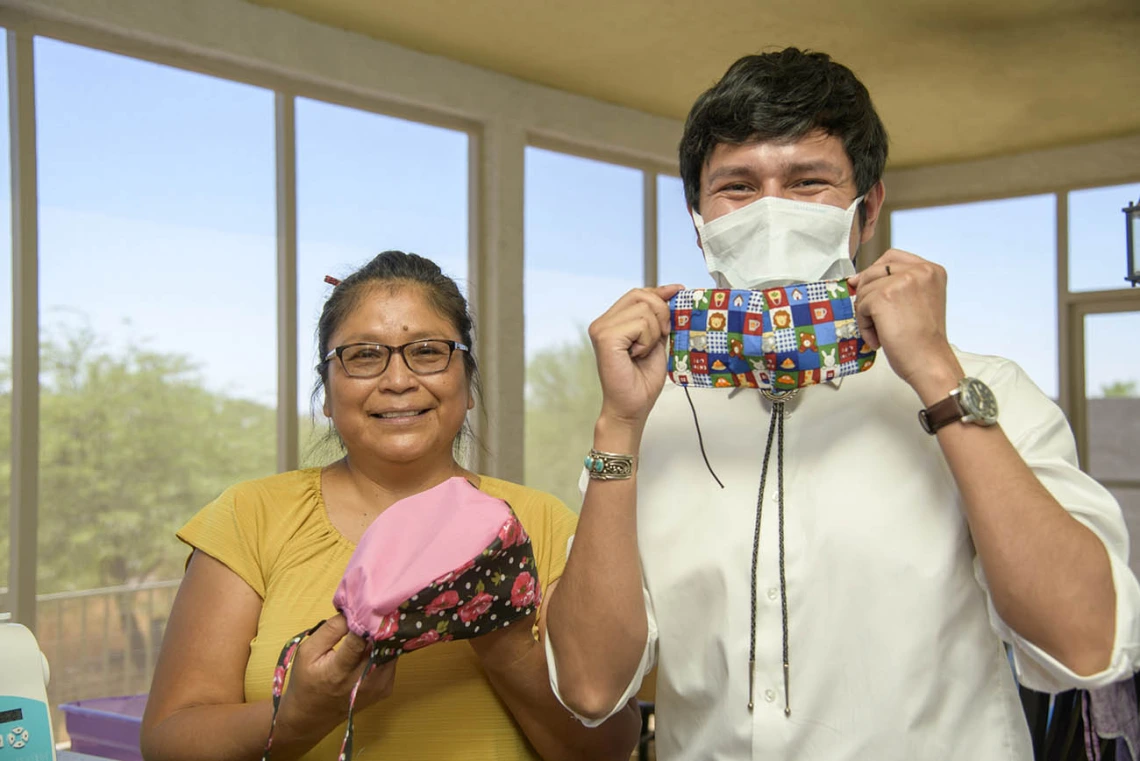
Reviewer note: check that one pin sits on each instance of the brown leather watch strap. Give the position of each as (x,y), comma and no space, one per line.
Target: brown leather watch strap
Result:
(941,414)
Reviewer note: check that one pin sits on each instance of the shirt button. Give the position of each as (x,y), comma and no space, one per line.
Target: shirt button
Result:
(773,593)
(769,695)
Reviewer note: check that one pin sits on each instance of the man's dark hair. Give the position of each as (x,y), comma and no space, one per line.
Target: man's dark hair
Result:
(784,96)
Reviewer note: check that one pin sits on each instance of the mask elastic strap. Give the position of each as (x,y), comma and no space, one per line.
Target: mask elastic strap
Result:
(346,743)
(700,439)
(284,661)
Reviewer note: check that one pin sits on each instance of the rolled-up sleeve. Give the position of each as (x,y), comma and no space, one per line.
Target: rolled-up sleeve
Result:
(648,659)
(1042,436)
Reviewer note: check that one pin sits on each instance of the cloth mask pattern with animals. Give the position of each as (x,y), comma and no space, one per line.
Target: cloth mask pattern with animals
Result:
(776,338)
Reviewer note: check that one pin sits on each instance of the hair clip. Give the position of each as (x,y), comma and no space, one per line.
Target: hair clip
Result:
(332,281)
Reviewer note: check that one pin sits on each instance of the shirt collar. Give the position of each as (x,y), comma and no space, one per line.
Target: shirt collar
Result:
(834,383)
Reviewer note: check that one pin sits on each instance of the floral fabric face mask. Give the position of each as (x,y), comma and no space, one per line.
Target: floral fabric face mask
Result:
(446,564)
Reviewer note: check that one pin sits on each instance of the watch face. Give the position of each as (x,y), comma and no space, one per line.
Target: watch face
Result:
(979,402)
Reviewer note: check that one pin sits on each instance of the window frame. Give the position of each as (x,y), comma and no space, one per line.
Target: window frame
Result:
(1071,306)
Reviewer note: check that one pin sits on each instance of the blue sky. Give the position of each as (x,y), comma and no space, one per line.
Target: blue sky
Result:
(158,224)
(999,257)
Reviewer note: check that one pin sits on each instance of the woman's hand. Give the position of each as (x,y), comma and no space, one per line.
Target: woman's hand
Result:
(323,676)
(630,347)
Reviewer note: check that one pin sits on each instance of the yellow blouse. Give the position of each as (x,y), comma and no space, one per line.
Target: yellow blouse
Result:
(275,534)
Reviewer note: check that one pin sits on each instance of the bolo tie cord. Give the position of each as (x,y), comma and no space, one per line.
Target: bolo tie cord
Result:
(775,432)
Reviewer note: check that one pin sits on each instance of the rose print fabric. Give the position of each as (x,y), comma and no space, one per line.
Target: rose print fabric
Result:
(778,338)
(449,563)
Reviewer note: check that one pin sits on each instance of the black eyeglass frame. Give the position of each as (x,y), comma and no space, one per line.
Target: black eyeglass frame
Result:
(338,352)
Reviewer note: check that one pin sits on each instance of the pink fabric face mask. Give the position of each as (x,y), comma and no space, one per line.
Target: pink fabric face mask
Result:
(448,563)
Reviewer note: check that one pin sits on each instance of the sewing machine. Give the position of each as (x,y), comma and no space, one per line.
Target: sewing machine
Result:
(25,721)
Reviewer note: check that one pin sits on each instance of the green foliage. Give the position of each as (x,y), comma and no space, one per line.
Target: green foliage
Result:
(1120,389)
(562,402)
(319,445)
(132,444)
(5,464)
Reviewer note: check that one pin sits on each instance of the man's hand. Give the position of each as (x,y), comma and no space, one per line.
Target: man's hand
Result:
(900,306)
(629,343)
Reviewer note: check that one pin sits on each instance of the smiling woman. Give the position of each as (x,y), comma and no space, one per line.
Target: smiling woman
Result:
(268,556)
(387,410)
(342,208)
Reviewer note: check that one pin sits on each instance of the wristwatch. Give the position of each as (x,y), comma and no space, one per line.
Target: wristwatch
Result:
(971,402)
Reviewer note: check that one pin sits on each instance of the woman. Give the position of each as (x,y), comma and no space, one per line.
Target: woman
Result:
(268,555)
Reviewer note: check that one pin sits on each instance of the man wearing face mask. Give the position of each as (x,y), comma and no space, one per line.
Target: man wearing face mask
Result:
(840,575)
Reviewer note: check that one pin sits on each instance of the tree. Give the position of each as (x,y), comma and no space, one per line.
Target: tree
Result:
(563,400)
(132,443)
(1119,389)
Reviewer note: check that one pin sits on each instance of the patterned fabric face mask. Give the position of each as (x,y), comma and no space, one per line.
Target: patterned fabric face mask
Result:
(449,563)
(777,338)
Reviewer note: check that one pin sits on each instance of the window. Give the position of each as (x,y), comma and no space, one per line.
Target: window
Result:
(1097,256)
(1112,388)
(365,184)
(679,258)
(5,330)
(1001,262)
(158,323)
(584,249)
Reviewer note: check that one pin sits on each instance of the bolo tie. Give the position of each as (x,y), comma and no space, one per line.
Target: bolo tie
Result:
(776,433)
(778,399)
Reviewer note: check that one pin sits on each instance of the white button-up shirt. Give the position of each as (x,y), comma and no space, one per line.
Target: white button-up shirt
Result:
(895,648)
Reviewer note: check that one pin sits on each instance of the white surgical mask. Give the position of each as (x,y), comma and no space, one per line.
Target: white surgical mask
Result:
(776,241)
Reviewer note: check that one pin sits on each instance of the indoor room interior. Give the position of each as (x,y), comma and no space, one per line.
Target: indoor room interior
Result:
(183,175)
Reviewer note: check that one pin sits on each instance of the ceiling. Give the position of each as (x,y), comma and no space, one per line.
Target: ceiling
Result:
(952,79)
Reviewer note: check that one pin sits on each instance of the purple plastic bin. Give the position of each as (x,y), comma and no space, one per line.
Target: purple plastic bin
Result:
(107,727)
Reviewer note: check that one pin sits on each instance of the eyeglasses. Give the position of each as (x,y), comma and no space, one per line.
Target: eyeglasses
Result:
(364,360)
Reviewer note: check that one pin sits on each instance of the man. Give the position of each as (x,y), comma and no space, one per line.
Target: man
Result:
(848,592)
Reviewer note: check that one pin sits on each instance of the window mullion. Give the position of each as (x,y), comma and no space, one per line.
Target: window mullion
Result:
(24,500)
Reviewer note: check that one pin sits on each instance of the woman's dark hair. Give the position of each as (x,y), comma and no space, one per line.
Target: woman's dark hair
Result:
(395,269)
(784,96)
